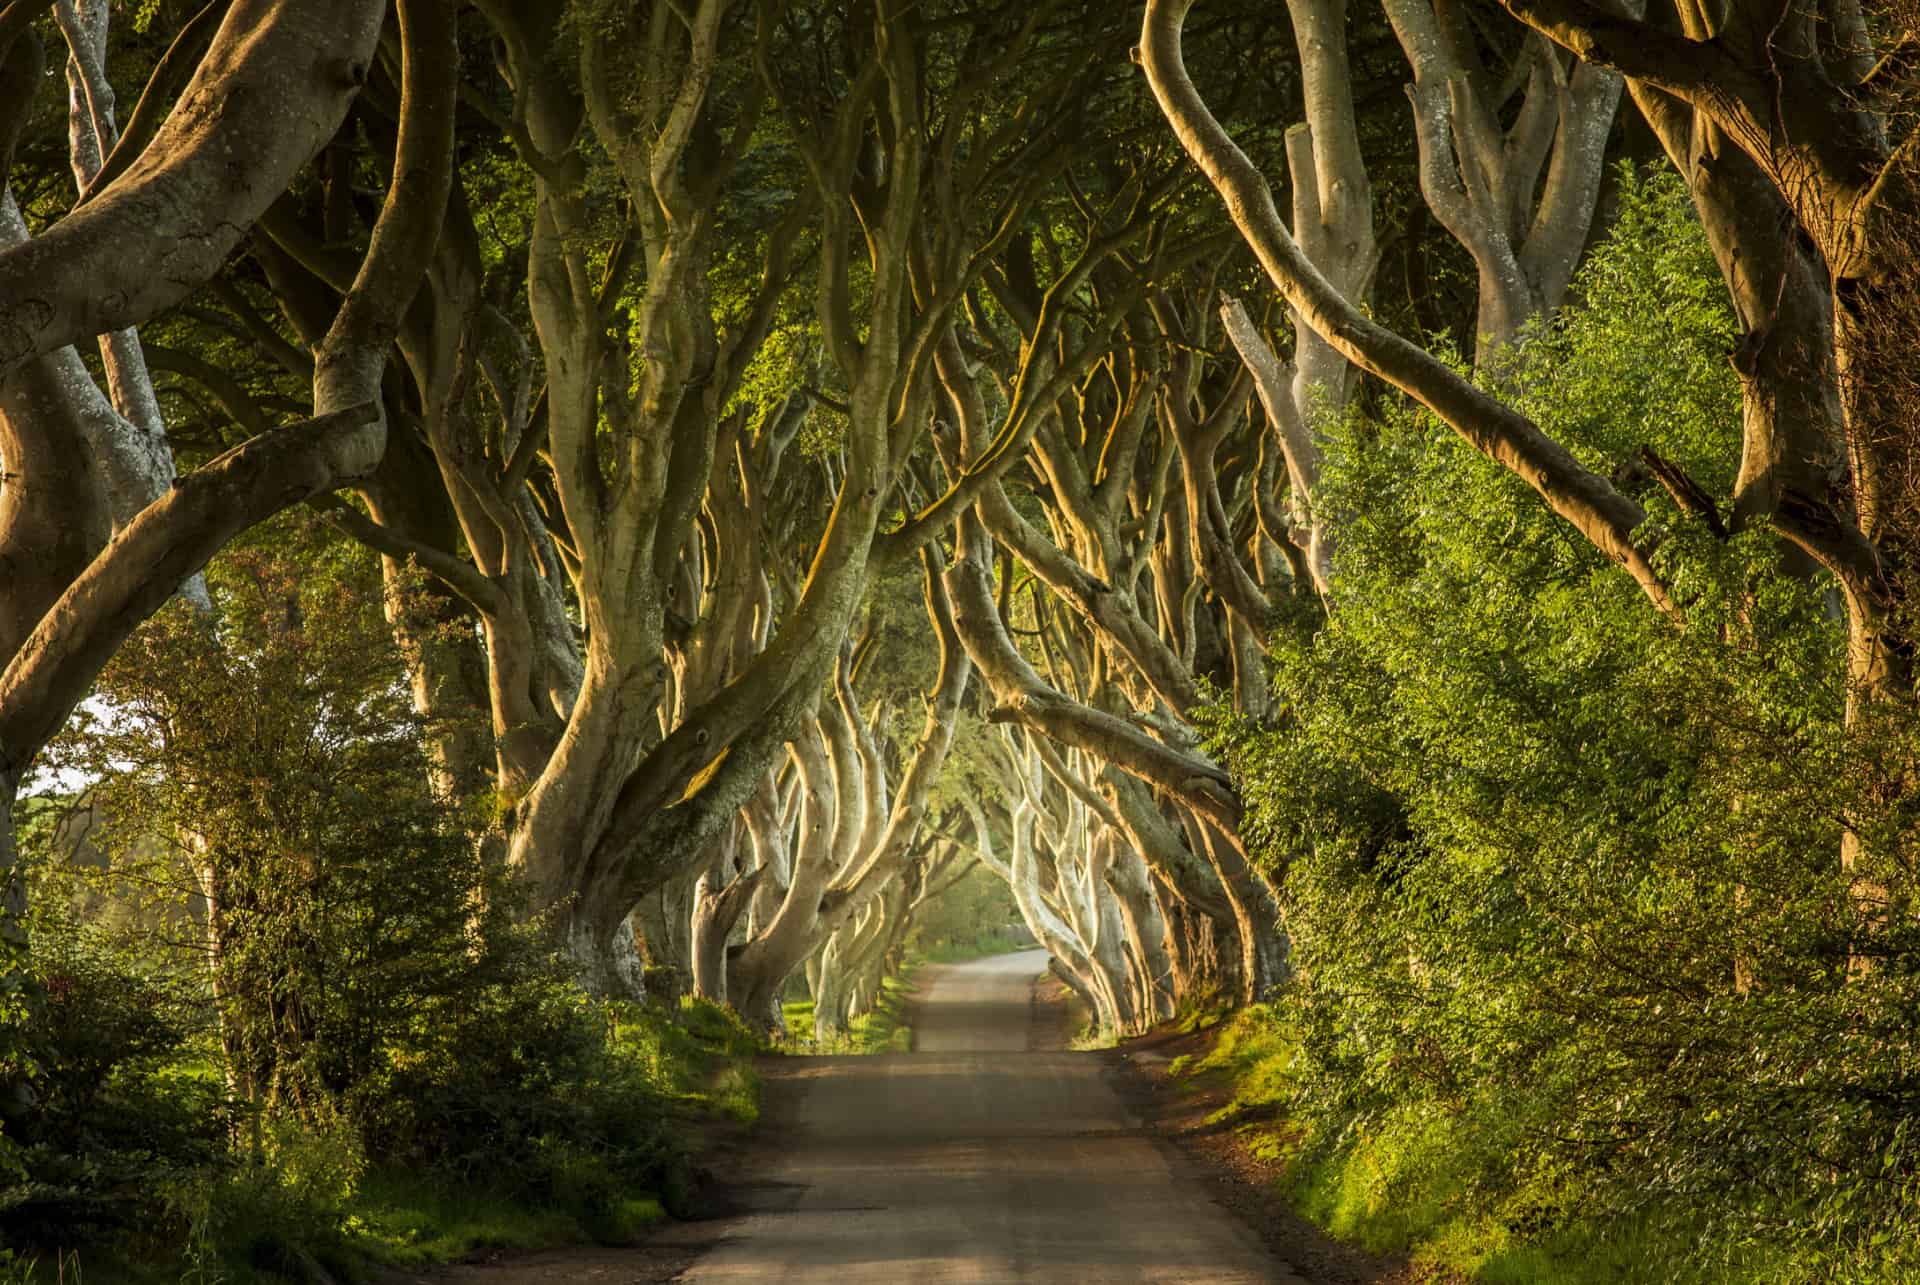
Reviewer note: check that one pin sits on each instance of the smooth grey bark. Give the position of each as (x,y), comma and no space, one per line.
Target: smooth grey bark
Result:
(1792,424)
(854,961)
(1101,925)
(136,466)
(1156,748)
(758,968)
(132,443)
(1023,697)
(888,844)
(660,929)
(1584,499)
(1519,197)
(1190,877)
(1080,888)
(620,800)
(1064,869)
(768,817)
(869,872)
(1256,909)
(1021,873)
(1274,382)
(834,985)
(55,515)
(721,896)
(270,92)
(1332,200)
(1148,934)
(1095,582)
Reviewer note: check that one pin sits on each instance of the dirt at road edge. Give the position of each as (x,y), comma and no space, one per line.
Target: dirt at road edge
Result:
(1173,1114)
(1176,1113)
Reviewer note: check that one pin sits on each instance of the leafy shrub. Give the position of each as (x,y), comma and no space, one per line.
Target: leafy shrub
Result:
(516,1084)
(267,784)
(528,1087)
(282,1204)
(312,966)
(119,1101)
(1564,879)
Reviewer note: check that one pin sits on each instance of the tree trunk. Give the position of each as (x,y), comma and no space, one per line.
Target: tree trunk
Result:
(1332,201)
(757,970)
(662,923)
(1584,499)
(1519,197)
(1147,931)
(1256,912)
(718,904)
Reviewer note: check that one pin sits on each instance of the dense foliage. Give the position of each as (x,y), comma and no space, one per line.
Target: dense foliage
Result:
(784,487)
(292,964)
(1560,875)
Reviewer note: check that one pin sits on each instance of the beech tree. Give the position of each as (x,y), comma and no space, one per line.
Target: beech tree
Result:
(157,219)
(1082,887)
(803,295)
(1242,532)
(1711,95)
(1809,101)
(875,833)
(830,859)
(1521,197)
(599,477)
(1153,681)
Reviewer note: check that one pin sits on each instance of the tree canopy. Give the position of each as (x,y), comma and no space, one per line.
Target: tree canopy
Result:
(1397,518)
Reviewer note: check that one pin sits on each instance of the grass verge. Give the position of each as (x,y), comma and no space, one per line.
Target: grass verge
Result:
(407,1219)
(1415,1185)
(883,1029)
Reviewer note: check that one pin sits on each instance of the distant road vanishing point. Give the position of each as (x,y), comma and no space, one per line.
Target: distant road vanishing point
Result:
(973,1159)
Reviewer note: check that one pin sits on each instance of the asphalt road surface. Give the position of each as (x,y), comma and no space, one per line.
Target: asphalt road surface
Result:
(973,1159)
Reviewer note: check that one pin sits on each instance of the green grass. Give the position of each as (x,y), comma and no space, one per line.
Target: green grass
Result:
(403,1219)
(1254,1053)
(1087,1033)
(702,1060)
(1413,1185)
(396,1219)
(885,1029)
(1409,1190)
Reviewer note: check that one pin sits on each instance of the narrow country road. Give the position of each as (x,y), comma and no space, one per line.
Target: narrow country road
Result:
(972,1159)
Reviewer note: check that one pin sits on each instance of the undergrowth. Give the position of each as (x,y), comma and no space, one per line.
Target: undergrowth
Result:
(1417,1183)
(588,1144)
(1598,917)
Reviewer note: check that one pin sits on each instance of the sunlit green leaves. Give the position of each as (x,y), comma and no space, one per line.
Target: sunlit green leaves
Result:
(1558,867)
